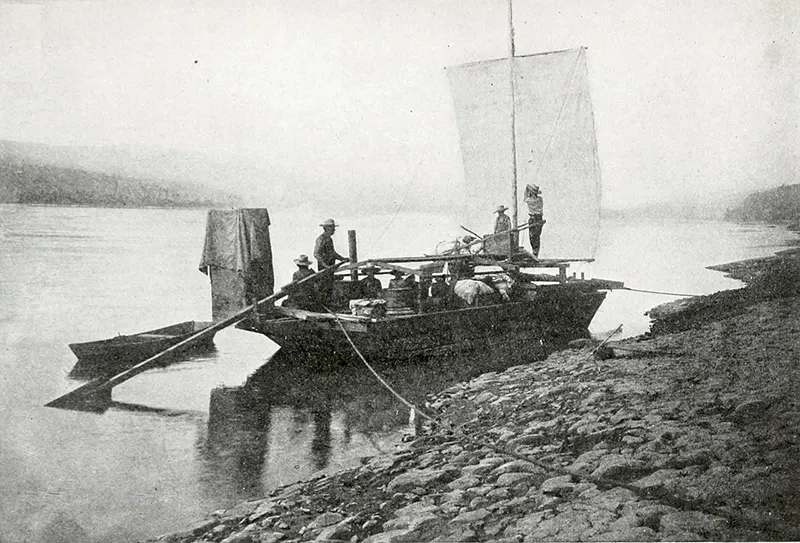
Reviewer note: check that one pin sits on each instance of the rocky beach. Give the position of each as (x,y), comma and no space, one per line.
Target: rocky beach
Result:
(690,432)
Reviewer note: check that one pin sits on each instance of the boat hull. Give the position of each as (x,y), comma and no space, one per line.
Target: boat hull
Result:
(122,352)
(551,316)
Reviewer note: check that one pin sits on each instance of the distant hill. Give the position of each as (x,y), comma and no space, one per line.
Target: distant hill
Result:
(45,174)
(772,205)
(186,173)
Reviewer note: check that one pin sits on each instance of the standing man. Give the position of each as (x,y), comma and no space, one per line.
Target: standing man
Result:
(535,203)
(503,222)
(326,256)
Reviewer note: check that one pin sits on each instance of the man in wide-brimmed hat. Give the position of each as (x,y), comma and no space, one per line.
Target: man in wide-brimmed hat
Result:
(302,297)
(535,203)
(303,268)
(324,251)
(503,221)
(326,257)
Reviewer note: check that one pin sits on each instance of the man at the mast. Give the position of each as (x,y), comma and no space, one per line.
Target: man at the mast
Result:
(535,203)
(326,257)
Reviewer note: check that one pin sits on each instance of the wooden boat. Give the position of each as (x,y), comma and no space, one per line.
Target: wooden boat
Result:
(539,309)
(550,135)
(121,352)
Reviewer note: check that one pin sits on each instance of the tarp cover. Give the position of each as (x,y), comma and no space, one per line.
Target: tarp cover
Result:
(235,239)
(237,256)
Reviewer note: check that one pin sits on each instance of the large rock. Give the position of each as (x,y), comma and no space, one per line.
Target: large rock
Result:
(517,466)
(663,478)
(464,482)
(414,478)
(558,486)
(619,467)
(469,517)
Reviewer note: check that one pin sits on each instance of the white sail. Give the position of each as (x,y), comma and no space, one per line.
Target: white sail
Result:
(555,143)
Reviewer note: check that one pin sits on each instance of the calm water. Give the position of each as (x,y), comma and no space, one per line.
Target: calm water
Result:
(184,440)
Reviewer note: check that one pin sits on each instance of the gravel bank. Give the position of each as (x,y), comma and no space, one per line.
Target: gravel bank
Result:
(689,433)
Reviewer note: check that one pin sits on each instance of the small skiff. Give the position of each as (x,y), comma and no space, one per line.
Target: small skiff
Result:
(118,353)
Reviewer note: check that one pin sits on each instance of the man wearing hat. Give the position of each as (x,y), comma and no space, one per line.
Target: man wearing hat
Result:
(503,222)
(535,203)
(303,296)
(324,251)
(326,256)
(370,285)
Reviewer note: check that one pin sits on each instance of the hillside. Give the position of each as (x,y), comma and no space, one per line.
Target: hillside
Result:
(41,174)
(772,205)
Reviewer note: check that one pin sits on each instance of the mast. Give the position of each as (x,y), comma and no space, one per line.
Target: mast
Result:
(511,75)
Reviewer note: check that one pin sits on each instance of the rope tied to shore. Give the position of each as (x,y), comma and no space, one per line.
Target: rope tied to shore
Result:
(661,292)
(377,375)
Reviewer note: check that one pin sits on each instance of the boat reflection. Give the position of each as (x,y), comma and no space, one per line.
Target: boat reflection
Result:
(290,420)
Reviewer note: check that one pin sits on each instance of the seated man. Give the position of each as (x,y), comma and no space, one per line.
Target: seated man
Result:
(370,285)
(302,296)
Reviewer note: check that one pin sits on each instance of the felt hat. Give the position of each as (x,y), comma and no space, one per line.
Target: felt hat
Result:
(370,267)
(534,188)
(329,222)
(302,260)
(397,273)
(500,209)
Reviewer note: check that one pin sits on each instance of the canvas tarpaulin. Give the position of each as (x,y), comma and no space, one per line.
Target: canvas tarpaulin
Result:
(237,256)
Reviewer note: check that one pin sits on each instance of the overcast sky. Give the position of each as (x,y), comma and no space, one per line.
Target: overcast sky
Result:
(691,97)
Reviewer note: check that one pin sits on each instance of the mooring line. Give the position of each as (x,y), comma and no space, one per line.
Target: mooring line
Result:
(616,331)
(662,292)
(377,376)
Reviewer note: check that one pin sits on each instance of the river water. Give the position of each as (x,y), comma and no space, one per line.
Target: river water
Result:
(184,440)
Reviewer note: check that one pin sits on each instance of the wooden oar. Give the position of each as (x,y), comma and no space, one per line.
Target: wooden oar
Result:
(100,388)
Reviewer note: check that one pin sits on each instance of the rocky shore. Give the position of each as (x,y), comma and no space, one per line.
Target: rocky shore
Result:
(691,432)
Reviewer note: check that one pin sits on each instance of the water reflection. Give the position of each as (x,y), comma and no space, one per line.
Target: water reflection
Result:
(235,444)
(296,416)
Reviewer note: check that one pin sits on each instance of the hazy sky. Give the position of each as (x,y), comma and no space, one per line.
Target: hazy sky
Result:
(691,97)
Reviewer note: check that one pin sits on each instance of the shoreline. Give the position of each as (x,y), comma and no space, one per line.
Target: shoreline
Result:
(689,432)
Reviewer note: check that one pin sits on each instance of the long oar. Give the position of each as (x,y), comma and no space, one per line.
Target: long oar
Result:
(100,388)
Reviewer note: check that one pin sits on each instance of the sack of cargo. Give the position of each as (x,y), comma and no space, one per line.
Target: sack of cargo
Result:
(373,308)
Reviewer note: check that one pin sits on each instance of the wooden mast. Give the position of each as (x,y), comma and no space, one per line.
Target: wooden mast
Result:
(512,78)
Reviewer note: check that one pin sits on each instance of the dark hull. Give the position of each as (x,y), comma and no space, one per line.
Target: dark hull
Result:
(553,314)
(122,352)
